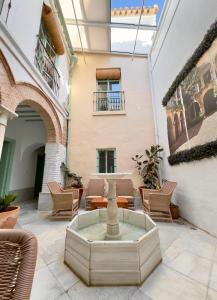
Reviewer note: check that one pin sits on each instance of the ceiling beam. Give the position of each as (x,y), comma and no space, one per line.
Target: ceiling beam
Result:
(109,25)
(78,50)
(29,116)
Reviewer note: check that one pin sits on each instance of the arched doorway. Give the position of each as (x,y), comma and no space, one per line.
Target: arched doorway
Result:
(170,132)
(182,121)
(52,122)
(39,173)
(194,110)
(29,137)
(176,124)
(210,102)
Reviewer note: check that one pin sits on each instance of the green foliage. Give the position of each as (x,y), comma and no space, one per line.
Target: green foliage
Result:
(196,153)
(71,179)
(6,201)
(149,168)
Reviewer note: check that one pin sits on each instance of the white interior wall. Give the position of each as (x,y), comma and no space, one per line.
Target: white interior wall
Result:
(182,30)
(30,14)
(28,136)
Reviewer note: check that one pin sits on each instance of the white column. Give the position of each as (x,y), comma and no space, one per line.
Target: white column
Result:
(55,154)
(3,124)
(5,114)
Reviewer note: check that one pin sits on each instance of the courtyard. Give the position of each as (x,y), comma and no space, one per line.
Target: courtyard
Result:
(108,150)
(188,269)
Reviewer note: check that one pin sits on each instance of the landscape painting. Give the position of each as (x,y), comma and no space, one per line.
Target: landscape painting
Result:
(192,110)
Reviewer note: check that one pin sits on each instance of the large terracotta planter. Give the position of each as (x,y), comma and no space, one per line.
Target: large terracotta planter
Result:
(8,218)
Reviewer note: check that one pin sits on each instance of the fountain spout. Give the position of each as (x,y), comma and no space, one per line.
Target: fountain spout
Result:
(113,231)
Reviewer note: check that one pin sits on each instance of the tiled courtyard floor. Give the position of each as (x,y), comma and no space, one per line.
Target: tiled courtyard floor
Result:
(188,270)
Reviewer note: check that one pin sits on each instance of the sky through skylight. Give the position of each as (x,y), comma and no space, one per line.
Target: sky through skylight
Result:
(134,3)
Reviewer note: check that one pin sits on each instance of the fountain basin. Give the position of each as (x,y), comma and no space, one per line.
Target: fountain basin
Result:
(127,261)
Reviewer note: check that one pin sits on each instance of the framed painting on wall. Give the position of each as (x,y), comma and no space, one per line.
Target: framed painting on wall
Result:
(191,105)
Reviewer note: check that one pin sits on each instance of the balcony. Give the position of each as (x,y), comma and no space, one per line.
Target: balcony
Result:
(109,101)
(46,67)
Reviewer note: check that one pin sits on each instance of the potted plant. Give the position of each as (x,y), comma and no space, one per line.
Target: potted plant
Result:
(149,168)
(8,213)
(71,180)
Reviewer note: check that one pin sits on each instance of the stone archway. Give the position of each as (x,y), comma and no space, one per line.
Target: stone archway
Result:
(194,110)
(12,94)
(182,121)
(171,138)
(176,124)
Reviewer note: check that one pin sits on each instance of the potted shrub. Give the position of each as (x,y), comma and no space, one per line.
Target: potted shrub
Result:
(71,180)
(149,168)
(8,213)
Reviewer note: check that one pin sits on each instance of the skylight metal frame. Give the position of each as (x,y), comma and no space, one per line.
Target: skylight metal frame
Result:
(110,25)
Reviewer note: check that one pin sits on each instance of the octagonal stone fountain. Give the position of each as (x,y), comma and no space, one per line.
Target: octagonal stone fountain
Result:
(112,246)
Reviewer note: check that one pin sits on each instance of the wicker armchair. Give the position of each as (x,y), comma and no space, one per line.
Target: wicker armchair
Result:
(65,202)
(157,203)
(95,189)
(125,189)
(18,253)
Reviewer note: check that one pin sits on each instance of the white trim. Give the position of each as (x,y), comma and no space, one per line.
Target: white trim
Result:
(129,54)
(32,71)
(8,112)
(164,16)
(109,113)
(153,101)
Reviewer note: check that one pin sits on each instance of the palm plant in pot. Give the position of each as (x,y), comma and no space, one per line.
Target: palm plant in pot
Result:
(149,168)
(8,213)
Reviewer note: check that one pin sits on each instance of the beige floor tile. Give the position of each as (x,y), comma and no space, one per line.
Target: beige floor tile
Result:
(63,297)
(64,275)
(189,264)
(81,292)
(197,243)
(39,263)
(139,295)
(212,295)
(215,255)
(167,284)
(45,285)
(213,277)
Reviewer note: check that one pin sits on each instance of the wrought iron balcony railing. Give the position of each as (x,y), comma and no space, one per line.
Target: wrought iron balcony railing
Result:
(46,67)
(108,101)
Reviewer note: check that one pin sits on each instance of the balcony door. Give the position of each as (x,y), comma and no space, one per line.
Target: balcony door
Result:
(108,95)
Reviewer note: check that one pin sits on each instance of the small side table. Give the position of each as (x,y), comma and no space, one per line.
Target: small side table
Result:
(98,203)
(103,202)
(122,202)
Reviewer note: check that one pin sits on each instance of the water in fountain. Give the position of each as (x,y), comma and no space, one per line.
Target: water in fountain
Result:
(98,232)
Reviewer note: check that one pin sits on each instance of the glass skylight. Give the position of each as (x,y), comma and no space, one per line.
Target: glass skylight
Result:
(95,26)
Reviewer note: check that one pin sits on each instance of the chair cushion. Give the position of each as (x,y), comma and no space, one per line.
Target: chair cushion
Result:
(127,197)
(90,197)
